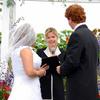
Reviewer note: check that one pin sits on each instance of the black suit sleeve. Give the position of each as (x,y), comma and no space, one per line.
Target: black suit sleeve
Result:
(73,54)
(62,55)
(39,52)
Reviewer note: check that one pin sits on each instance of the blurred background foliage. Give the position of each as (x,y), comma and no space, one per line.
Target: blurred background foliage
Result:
(62,41)
(0,37)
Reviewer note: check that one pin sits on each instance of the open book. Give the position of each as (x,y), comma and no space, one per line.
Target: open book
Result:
(53,62)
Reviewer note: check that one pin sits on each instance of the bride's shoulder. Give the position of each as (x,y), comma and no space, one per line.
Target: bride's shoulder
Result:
(24,47)
(21,49)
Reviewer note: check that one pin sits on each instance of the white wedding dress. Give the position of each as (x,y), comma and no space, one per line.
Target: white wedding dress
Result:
(24,87)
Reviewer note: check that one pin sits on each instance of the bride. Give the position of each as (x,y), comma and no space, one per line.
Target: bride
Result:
(26,65)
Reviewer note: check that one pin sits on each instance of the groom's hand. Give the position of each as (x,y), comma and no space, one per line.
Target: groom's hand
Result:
(58,69)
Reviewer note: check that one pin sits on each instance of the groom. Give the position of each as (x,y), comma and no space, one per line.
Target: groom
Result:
(81,57)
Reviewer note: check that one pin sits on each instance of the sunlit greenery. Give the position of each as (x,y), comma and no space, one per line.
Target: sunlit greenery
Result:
(40,40)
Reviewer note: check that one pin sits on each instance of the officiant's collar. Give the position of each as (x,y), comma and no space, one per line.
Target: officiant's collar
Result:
(49,54)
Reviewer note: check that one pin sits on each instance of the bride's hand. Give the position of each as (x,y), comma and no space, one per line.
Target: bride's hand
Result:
(45,66)
(42,70)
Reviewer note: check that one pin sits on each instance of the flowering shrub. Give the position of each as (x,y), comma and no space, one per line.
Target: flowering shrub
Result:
(6,80)
(98,89)
(4,90)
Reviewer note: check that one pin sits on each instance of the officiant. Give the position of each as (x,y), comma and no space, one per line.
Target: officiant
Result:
(52,84)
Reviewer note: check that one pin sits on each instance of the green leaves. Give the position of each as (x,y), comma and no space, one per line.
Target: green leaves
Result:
(41,43)
(10,3)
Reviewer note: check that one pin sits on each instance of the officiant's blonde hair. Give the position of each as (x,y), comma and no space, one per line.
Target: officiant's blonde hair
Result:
(51,29)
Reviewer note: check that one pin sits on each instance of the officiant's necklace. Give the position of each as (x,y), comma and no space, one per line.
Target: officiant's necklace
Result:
(52,50)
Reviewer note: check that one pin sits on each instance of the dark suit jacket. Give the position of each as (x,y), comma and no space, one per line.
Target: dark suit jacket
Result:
(80,64)
(58,89)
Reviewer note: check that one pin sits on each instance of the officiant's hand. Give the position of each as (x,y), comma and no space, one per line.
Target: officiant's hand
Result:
(58,69)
